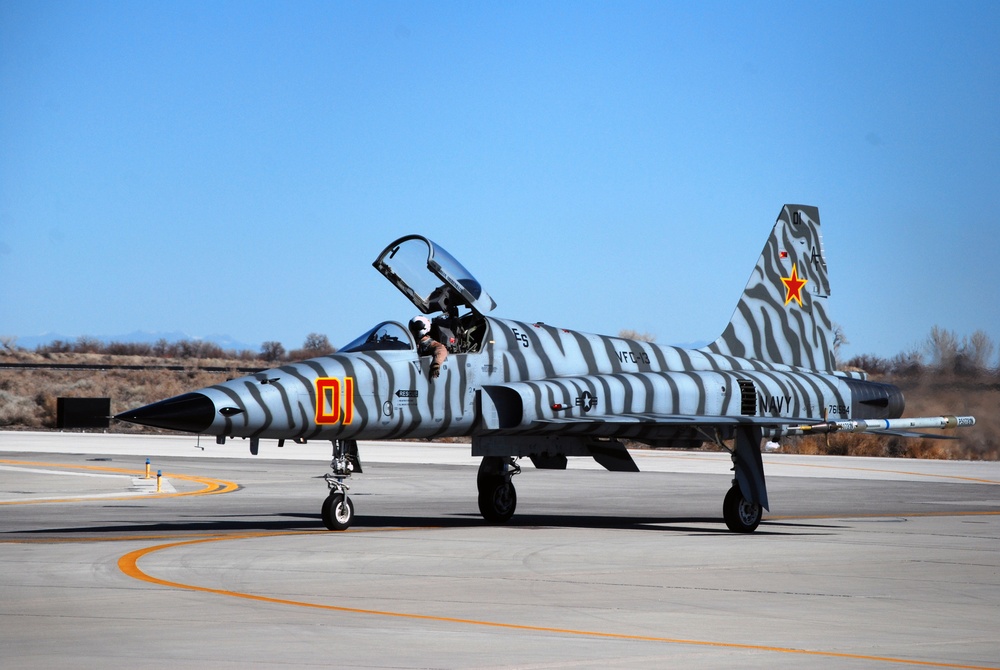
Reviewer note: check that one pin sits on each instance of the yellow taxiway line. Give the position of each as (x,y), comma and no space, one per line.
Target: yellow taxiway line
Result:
(209,486)
(129,565)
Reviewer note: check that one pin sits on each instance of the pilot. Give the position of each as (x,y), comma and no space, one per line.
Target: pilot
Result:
(420,326)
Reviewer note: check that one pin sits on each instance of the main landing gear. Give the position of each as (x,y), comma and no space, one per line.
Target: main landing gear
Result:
(741,515)
(338,510)
(497,496)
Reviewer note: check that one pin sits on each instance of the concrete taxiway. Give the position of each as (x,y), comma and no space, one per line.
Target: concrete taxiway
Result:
(861,562)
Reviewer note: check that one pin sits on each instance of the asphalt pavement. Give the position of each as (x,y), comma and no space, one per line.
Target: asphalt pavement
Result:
(860,563)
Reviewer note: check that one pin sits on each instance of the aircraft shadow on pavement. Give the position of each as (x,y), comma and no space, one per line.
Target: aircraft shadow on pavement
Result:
(293,521)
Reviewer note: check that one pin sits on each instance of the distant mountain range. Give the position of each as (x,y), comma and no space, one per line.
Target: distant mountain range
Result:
(224,341)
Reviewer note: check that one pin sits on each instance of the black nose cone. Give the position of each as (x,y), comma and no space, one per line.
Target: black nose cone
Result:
(191,412)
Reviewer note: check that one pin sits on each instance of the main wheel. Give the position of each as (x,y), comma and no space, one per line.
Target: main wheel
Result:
(741,515)
(497,499)
(338,512)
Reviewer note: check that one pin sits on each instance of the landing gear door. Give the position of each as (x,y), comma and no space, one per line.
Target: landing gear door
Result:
(431,277)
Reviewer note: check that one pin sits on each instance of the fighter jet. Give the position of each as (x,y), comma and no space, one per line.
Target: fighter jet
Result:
(531,390)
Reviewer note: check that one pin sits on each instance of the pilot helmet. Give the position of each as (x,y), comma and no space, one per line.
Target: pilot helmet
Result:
(420,326)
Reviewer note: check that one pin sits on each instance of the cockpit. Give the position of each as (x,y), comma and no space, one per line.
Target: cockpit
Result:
(440,287)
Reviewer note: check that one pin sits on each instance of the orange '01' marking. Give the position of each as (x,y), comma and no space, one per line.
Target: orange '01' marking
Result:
(330,387)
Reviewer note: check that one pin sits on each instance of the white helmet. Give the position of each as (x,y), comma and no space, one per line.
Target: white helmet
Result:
(420,326)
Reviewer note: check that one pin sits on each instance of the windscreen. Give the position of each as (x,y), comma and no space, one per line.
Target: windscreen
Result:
(386,336)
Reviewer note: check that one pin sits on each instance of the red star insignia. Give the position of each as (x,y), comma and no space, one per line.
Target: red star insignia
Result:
(793,286)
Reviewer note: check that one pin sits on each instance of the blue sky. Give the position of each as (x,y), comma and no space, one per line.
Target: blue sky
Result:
(235,167)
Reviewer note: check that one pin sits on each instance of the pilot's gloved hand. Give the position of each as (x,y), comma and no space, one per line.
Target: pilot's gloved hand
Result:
(435,370)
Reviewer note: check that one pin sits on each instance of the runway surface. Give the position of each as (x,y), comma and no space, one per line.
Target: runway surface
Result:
(861,563)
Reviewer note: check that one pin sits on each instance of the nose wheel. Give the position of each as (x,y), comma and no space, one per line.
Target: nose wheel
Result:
(338,511)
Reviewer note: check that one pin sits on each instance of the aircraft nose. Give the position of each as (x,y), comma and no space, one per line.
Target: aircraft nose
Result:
(191,412)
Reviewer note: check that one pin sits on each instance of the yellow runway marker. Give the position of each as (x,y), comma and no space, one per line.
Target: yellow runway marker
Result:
(209,486)
(129,564)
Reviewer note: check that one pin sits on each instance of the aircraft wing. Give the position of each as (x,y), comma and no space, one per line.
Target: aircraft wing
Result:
(607,404)
(797,426)
(747,430)
(679,420)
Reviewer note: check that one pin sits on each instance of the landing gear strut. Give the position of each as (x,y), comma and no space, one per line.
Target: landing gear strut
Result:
(338,510)
(497,496)
(742,514)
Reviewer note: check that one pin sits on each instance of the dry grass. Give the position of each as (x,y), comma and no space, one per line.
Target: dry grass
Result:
(28,396)
(28,401)
(927,394)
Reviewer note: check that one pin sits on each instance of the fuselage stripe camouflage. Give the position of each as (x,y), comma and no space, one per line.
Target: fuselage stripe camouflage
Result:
(785,350)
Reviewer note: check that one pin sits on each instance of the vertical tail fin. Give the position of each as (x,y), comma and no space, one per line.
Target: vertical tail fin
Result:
(782,317)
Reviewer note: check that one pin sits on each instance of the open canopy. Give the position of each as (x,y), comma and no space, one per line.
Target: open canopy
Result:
(431,277)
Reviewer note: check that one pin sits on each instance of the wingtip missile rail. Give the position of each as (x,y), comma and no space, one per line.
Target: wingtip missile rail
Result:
(882,425)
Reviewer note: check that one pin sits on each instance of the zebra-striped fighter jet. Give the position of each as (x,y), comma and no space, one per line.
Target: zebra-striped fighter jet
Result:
(532,390)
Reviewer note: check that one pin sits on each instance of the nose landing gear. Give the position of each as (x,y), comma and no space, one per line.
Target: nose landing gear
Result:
(338,510)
